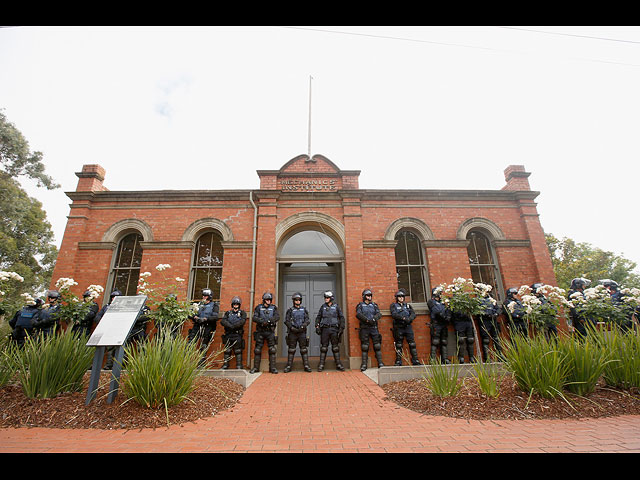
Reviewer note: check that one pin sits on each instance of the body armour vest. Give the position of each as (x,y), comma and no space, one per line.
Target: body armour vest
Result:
(368,310)
(402,309)
(235,320)
(329,316)
(25,319)
(205,311)
(297,317)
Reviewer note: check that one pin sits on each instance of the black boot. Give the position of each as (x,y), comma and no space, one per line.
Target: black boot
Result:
(305,362)
(256,364)
(470,353)
(414,356)
(227,359)
(239,361)
(378,354)
(272,363)
(287,369)
(398,356)
(336,357)
(323,357)
(444,355)
(365,360)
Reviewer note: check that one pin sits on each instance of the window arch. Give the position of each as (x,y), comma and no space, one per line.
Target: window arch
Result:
(125,272)
(411,268)
(206,266)
(482,261)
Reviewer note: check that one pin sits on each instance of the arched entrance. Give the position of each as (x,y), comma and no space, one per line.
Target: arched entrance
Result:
(310,261)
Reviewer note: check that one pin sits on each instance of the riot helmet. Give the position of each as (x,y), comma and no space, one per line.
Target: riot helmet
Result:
(329,294)
(400,293)
(236,301)
(53,294)
(435,292)
(296,296)
(610,284)
(267,296)
(206,292)
(512,292)
(366,292)
(115,293)
(86,294)
(535,287)
(579,283)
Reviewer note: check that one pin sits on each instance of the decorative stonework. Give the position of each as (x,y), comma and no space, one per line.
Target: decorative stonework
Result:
(493,230)
(116,231)
(193,231)
(422,228)
(310,218)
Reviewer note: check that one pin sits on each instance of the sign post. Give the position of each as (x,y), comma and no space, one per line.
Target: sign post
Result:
(112,331)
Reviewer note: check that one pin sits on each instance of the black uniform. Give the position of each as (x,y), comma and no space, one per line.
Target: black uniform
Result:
(84,326)
(517,322)
(463,324)
(440,318)
(403,316)
(22,323)
(266,318)
(579,320)
(297,320)
(368,313)
(233,322)
(329,325)
(204,325)
(490,327)
(48,321)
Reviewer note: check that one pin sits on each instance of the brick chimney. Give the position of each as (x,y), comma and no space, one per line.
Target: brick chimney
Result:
(516,178)
(90,179)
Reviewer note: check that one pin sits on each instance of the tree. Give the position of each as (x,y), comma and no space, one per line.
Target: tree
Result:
(571,260)
(25,234)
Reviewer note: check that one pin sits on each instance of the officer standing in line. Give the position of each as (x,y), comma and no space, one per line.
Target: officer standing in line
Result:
(466,335)
(516,312)
(297,320)
(48,321)
(23,320)
(439,326)
(84,326)
(266,317)
(626,324)
(233,322)
(204,322)
(330,325)
(403,316)
(110,350)
(578,319)
(490,326)
(368,313)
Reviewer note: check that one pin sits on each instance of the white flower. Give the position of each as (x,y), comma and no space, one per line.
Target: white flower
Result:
(65,283)
(145,274)
(162,266)
(178,279)
(10,275)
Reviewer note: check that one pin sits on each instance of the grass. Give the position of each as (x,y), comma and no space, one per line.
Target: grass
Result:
(443,381)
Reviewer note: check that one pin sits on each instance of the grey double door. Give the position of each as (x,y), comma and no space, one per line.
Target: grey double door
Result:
(312,287)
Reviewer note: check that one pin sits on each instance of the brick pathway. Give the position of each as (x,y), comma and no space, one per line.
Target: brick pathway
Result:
(335,412)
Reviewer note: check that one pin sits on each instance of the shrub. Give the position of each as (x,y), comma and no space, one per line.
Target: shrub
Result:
(623,368)
(50,365)
(160,371)
(586,361)
(488,377)
(443,381)
(537,365)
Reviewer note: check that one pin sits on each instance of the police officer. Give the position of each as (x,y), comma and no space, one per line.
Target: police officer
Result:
(266,317)
(110,350)
(439,326)
(516,312)
(626,322)
(368,313)
(403,316)
(48,321)
(23,321)
(204,322)
(84,326)
(579,320)
(490,326)
(465,333)
(550,328)
(297,320)
(330,325)
(233,322)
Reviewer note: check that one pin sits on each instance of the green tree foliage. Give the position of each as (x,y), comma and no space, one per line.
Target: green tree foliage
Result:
(571,260)
(25,234)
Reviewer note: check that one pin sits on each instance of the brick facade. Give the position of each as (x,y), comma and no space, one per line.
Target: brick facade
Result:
(309,191)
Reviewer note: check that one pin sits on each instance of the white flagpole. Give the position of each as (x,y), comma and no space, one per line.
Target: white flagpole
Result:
(309,145)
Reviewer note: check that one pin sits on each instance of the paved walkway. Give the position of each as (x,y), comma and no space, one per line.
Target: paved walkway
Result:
(334,412)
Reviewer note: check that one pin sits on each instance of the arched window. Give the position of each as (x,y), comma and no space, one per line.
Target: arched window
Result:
(206,267)
(484,268)
(410,266)
(126,266)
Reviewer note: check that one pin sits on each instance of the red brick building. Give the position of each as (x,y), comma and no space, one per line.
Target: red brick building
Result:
(309,227)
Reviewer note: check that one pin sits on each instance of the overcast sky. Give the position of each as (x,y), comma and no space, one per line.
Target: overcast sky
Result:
(411,107)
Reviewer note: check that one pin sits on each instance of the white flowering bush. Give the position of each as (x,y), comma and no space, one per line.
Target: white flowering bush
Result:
(162,293)
(72,309)
(8,291)
(595,303)
(464,296)
(540,313)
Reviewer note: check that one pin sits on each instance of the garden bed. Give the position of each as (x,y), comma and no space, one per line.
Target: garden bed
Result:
(210,396)
(511,403)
